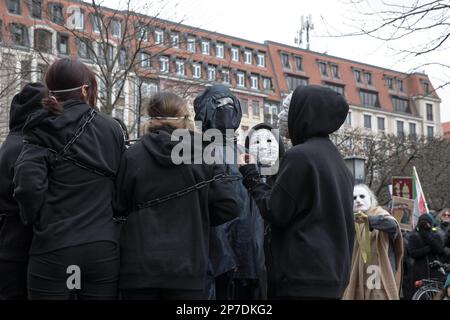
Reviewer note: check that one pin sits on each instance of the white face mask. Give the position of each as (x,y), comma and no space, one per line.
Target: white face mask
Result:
(361,199)
(264,147)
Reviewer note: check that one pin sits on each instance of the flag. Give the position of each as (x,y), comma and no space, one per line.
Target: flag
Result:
(420,205)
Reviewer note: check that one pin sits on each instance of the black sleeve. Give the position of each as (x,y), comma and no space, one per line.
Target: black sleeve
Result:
(30,181)
(275,204)
(124,189)
(386,224)
(434,240)
(222,200)
(416,247)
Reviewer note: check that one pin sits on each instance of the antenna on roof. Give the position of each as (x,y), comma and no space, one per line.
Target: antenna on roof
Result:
(306,26)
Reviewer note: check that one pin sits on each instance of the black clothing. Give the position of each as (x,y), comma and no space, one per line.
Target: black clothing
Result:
(310,207)
(165,246)
(162,294)
(98,262)
(68,205)
(15,238)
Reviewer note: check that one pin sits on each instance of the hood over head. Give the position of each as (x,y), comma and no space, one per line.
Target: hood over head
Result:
(217,108)
(27,101)
(315,111)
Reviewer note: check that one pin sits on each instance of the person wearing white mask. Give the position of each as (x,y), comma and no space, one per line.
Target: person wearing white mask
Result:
(378,252)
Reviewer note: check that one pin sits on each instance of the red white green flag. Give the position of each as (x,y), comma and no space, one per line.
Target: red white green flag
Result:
(420,204)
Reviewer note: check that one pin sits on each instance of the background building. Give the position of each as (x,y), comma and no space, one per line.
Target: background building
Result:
(135,55)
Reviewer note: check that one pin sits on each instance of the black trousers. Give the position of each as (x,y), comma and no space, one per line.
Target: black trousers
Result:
(13,280)
(162,294)
(53,275)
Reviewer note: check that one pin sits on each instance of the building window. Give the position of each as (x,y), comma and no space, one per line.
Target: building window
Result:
(267,84)
(102,59)
(25,72)
(76,18)
(339,89)
(390,83)
(254,82)
(56,13)
(240,79)
(164,64)
(205,47)
(43,40)
(430,116)
(426,87)
(298,63)
(122,57)
(244,106)
(323,68)
(13,6)
(430,132)
(196,70)
(41,70)
(335,71)
(285,61)
(19,34)
(146,60)
(120,89)
(116,28)
(367,121)
(83,48)
(36,9)
(63,44)
(247,57)
(219,51)
(226,76)
(255,109)
(261,60)
(159,36)
(400,129)
(381,124)
(357,75)
(175,40)
(235,54)
(1,31)
(211,74)
(400,85)
(97,24)
(368,78)
(401,105)
(294,82)
(348,119)
(369,99)
(180,68)
(191,45)
(412,129)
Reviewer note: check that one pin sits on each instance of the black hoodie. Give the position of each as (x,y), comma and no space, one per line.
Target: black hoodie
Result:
(15,238)
(166,245)
(311,204)
(68,205)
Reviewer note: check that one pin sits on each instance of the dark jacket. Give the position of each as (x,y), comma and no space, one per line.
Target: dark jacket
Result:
(310,206)
(238,243)
(425,247)
(15,238)
(67,204)
(166,245)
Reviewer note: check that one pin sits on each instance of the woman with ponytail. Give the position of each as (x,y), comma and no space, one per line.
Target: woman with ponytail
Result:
(64,185)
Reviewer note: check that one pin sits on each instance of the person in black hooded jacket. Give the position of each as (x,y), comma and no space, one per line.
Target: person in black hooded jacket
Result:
(15,238)
(165,243)
(64,185)
(310,206)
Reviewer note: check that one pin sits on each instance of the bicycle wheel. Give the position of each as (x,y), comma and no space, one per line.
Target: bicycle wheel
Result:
(425,293)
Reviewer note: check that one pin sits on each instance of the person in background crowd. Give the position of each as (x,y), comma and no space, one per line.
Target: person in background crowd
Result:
(444,231)
(15,238)
(310,206)
(64,185)
(445,293)
(425,245)
(237,252)
(379,243)
(165,245)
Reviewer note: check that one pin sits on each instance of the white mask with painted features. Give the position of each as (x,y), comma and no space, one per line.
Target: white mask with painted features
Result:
(361,199)
(264,147)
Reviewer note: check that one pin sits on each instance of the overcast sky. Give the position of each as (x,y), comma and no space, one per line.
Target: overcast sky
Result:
(260,20)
